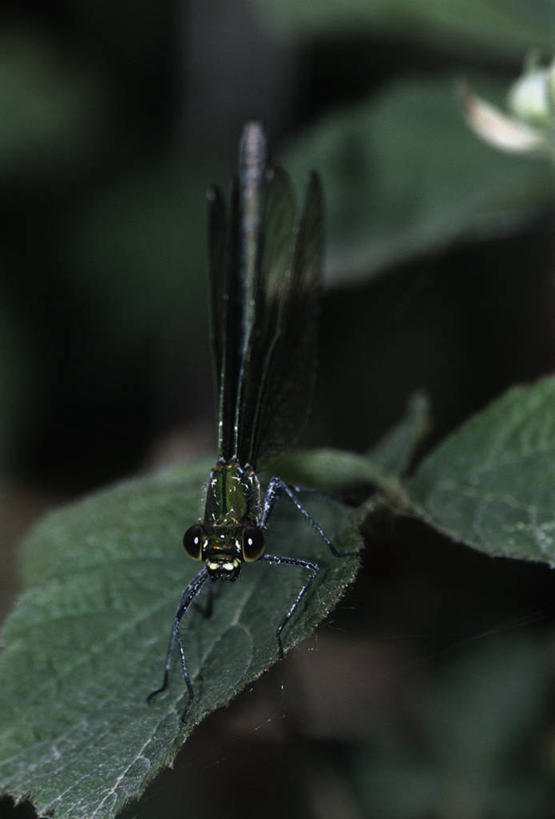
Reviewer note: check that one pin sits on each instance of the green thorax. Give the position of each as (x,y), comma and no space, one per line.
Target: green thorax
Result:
(232,495)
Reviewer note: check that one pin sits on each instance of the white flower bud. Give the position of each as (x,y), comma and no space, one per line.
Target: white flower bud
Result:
(529,97)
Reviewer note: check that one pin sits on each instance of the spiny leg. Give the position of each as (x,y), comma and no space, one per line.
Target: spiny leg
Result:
(344,500)
(278,488)
(186,677)
(309,490)
(304,564)
(189,593)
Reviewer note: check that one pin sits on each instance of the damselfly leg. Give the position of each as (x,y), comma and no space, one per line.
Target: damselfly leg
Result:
(277,489)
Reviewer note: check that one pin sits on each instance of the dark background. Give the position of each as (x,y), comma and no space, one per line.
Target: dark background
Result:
(427,695)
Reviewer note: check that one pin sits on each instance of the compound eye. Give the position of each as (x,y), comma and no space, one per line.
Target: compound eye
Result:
(192,541)
(253,543)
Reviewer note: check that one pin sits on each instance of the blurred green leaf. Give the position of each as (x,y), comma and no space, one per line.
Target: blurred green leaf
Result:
(394,451)
(51,107)
(403,175)
(491,484)
(503,27)
(87,641)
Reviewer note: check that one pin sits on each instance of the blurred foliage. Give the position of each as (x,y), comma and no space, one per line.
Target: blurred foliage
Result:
(499,26)
(113,125)
(403,177)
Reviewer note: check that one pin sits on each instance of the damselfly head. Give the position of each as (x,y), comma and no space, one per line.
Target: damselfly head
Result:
(224,547)
(220,547)
(221,551)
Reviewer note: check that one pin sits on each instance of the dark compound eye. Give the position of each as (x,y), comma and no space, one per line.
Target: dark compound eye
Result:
(192,541)
(253,543)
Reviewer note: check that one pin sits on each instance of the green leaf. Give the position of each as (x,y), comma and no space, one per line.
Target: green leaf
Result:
(395,450)
(330,470)
(463,24)
(491,484)
(403,175)
(87,641)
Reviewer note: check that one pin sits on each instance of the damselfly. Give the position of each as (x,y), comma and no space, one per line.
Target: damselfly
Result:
(265,273)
